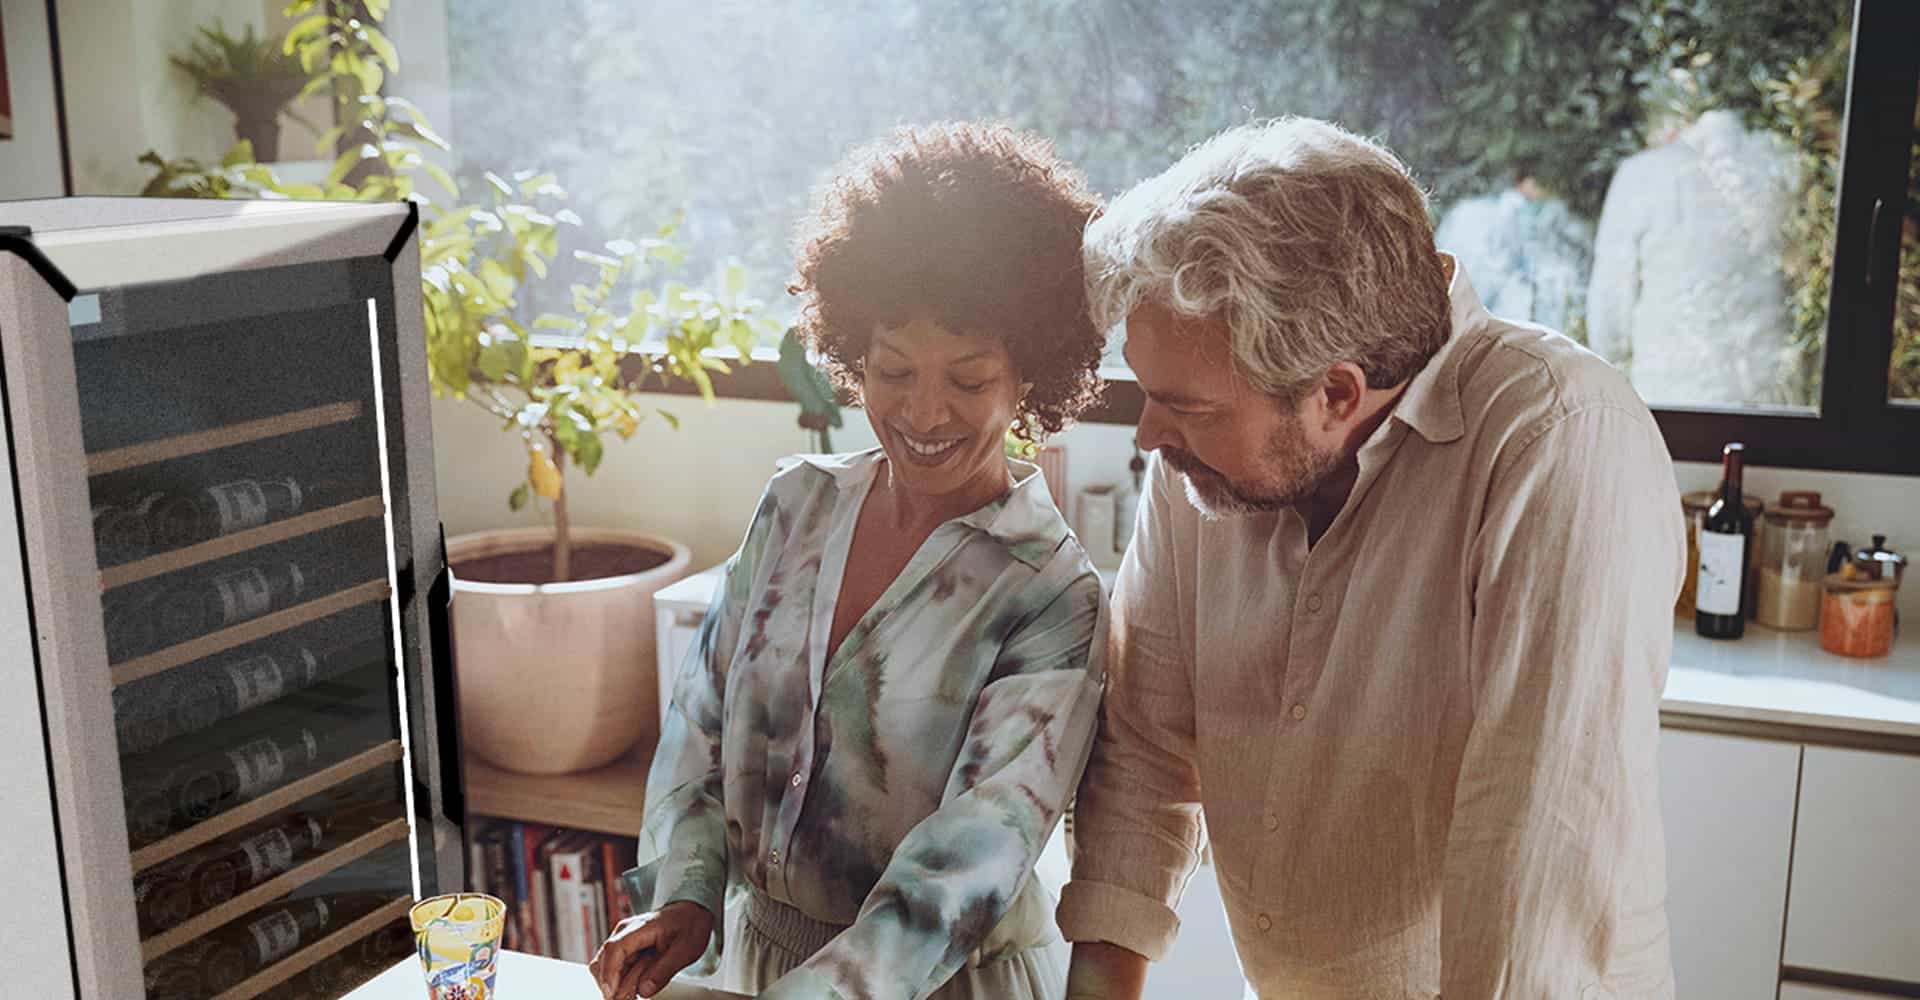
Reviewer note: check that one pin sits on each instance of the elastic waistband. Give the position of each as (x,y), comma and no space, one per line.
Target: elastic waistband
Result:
(786,926)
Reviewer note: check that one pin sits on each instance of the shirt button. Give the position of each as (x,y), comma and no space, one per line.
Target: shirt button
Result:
(1271,822)
(1299,712)
(1265,922)
(1313,602)
(796,779)
(773,857)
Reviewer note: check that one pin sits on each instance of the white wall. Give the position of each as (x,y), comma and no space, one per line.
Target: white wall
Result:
(30,161)
(700,484)
(124,97)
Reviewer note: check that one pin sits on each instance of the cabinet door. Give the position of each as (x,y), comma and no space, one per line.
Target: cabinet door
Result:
(1728,806)
(1856,863)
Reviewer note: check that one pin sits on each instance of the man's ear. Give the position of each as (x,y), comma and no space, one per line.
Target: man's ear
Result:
(1342,392)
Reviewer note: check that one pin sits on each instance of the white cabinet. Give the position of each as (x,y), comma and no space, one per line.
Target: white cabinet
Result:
(1856,866)
(1728,805)
(678,610)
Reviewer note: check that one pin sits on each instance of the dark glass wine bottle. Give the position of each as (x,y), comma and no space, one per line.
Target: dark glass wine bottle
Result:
(162,898)
(235,506)
(228,598)
(201,695)
(221,874)
(1726,550)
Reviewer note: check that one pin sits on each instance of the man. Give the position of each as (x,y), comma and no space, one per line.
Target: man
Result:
(1397,614)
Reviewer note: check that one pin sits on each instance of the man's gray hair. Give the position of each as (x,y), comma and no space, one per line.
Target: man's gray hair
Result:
(1311,242)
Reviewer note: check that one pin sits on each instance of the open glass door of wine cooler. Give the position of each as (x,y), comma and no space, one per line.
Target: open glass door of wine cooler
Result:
(251,522)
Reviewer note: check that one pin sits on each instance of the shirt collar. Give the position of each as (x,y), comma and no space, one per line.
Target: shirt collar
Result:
(1431,404)
(1024,519)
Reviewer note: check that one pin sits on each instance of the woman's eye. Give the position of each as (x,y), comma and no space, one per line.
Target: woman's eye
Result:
(969,386)
(891,375)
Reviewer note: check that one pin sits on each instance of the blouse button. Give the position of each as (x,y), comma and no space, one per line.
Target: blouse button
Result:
(796,779)
(773,857)
(1313,602)
(1299,712)
(1265,922)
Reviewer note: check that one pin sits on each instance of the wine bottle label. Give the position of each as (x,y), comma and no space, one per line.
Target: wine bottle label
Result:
(268,855)
(256,680)
(259,765)
(243,595)
(238,505)
(274,937)
(1722,559)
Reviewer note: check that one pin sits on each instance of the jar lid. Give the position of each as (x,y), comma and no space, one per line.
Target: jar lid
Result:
(1700,500)
(1879,562)
(1800,507)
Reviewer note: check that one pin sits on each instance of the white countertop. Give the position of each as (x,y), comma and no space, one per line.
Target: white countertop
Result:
(520,977)
(1786,678)
(1767,677)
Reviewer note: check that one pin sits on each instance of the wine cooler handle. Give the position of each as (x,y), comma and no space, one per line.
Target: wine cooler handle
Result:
(18,240)
(453,797)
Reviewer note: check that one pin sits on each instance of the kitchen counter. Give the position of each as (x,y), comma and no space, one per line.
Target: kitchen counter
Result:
(1784,680)
(520,977)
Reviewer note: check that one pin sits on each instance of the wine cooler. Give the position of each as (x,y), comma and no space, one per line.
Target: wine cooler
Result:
(227,746)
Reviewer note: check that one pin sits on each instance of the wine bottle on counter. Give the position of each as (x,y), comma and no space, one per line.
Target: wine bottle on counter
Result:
(1726,550)
(200,695)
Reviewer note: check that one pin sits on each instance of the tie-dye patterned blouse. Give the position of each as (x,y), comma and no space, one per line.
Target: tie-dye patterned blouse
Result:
(907,785)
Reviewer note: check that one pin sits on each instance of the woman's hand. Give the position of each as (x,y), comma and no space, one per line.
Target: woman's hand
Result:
(645,952)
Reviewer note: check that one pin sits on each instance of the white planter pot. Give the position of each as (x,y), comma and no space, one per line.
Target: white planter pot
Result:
(557,677)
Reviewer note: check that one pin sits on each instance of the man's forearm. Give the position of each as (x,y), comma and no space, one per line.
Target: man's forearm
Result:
(1102,971)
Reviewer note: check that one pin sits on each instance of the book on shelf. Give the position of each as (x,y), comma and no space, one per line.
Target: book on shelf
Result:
(562,887)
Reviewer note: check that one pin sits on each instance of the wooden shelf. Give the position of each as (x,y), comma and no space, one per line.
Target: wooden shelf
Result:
(133,456)
(241,541)
(321,950)
(267,892)
(605,800)
(162,660)
(264,806)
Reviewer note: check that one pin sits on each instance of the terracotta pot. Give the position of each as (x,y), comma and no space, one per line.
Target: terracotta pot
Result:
(557,677)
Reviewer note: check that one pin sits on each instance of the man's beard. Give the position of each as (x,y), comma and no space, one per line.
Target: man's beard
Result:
(1290,472)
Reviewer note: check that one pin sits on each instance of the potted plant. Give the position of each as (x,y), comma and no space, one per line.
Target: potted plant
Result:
(553,625)
(256,78)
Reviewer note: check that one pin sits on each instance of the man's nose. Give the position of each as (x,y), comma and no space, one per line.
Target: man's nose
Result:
(1155,430)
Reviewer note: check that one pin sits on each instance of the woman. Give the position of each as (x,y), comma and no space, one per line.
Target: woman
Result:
(891,699)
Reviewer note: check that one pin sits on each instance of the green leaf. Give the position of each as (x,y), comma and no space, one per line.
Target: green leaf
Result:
(345,163)
(518,498)
(588,450)
(377,9)
(303,31)
(672,421)
(495,361)
(382,47)
(242,152)
(440,177)
(371,76)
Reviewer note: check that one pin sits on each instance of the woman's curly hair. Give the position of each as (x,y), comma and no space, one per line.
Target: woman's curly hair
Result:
(974,227)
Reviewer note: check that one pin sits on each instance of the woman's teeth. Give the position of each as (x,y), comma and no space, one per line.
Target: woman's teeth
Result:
(931,449)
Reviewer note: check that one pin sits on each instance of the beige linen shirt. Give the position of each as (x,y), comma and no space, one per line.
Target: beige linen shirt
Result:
(1425,747)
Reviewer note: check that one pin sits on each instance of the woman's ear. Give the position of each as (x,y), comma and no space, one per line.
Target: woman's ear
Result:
(1025,387)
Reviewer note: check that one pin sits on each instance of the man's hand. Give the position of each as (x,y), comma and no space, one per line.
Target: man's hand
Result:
(1102,971)
(645,952)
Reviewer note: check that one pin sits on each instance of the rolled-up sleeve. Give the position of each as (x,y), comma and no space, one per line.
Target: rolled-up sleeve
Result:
(1576,567)
(1136,827)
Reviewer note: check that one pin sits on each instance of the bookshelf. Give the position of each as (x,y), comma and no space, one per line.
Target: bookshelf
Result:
(605,800)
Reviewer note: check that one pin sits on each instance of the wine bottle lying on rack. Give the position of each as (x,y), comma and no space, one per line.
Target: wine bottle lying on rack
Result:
(212,875)
(151,521)
(144,617)
(195,697)
(225,958)
(162,798)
